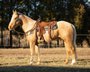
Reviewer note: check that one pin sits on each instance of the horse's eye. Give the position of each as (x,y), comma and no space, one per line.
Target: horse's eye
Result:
(16,18)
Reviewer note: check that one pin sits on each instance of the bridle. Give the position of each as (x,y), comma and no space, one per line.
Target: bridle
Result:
(16,25)
(29,31)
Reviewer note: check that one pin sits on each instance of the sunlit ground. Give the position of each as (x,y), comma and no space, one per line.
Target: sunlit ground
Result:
(50,57)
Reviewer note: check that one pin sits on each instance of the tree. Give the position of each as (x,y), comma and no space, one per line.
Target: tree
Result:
(73,11)
(1,24)
(78,19)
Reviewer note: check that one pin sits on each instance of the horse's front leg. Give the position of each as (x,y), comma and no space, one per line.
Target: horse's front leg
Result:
(67,51)
(37,50)
(32,51)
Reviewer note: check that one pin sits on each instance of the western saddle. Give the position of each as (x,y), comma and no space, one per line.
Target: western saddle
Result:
(43,26)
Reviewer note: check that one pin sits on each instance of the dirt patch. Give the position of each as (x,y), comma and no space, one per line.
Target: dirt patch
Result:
(51,59)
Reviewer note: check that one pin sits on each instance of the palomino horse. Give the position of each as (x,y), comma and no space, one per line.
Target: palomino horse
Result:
(65,30)
(29,27)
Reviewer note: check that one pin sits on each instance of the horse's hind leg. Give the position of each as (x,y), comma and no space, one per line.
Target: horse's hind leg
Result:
(70,50)
(73,53)
(38,53)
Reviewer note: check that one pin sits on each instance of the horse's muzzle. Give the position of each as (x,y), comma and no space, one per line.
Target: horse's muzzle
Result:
(10,28)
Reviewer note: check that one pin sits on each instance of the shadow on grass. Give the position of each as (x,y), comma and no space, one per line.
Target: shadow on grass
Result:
(42,69)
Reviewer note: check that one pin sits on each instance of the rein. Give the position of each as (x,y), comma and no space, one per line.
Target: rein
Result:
(31,30)
(18,32)
(34,27)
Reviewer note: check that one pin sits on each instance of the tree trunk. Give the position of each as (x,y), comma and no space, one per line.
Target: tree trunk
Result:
(11,39)
(1,37)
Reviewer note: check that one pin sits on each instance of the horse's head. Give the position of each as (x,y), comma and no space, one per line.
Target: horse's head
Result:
(15,20)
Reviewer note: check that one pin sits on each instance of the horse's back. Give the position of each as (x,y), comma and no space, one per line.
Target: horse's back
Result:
(63,24)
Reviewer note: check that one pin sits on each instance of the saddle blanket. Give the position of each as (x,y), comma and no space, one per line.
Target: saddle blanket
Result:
(54,27)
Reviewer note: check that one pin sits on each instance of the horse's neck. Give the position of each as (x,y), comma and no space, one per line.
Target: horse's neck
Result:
(28,23)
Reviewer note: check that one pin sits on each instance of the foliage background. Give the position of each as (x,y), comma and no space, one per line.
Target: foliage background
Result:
(75,11)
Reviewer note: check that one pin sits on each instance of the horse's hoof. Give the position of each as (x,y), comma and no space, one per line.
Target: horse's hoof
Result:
(73,62)
(38,63)
(65,62)
(31,63)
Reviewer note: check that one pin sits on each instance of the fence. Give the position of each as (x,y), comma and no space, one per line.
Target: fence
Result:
(17,41)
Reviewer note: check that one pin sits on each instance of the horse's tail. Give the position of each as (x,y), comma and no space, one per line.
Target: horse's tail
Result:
(74,35)
(74,39)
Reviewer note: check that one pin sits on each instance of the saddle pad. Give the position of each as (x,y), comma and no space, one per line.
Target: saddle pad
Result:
(46,28)
(54,27)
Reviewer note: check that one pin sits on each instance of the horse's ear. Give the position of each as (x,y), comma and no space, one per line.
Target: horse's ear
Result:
(13,11)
